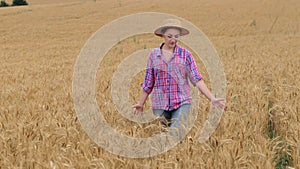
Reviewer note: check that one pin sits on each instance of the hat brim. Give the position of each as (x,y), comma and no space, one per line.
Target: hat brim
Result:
(159,32)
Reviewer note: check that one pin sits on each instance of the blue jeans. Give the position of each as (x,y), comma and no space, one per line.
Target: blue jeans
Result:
(174,118)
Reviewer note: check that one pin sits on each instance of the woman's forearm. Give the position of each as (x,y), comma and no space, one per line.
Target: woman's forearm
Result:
(204,90)
(143,98)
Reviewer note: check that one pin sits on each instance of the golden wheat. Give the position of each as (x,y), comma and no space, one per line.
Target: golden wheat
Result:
(258,43)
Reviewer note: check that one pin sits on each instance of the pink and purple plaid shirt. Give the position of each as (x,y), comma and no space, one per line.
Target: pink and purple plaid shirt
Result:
(168,81)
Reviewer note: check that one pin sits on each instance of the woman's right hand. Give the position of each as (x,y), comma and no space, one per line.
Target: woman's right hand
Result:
(138,108)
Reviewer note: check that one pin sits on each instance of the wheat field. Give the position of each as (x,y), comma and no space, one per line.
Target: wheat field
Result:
(258,43)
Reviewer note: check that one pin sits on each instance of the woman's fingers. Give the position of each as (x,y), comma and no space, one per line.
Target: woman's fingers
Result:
(138,109)
(137,112)
(136,106)
(218,102)
(219,99)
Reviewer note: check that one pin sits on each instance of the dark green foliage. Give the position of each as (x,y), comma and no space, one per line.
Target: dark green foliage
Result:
(282,157)
(3,4)
(14,3)
(271,129)
(283,161)
(19,2)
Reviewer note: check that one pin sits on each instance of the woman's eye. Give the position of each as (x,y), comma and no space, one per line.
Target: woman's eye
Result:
(171,36)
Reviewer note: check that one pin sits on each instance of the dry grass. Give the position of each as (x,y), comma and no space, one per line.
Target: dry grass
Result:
(258,43)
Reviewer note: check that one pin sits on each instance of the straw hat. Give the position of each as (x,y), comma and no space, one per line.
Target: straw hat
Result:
(171,23)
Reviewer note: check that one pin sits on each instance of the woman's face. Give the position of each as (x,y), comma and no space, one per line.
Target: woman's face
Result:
(171,37)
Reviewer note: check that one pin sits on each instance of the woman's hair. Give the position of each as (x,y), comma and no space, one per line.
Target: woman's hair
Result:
(164,30)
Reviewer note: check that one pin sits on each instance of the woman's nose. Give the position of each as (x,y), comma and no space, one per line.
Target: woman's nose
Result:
(173,40)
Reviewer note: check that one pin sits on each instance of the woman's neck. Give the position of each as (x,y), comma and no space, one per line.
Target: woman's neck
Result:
(168,49)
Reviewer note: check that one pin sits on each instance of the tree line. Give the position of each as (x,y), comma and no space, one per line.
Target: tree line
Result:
(3,3)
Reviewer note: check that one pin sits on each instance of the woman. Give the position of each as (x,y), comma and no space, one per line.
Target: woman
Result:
(167,73)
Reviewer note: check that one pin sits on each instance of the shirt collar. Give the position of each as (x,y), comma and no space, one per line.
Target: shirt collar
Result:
(176,50)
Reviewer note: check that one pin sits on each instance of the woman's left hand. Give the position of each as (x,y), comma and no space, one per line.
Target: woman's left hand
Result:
(219,103)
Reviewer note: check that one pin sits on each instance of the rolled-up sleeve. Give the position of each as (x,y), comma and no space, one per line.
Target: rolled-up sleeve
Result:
(148,84)
(193,72)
